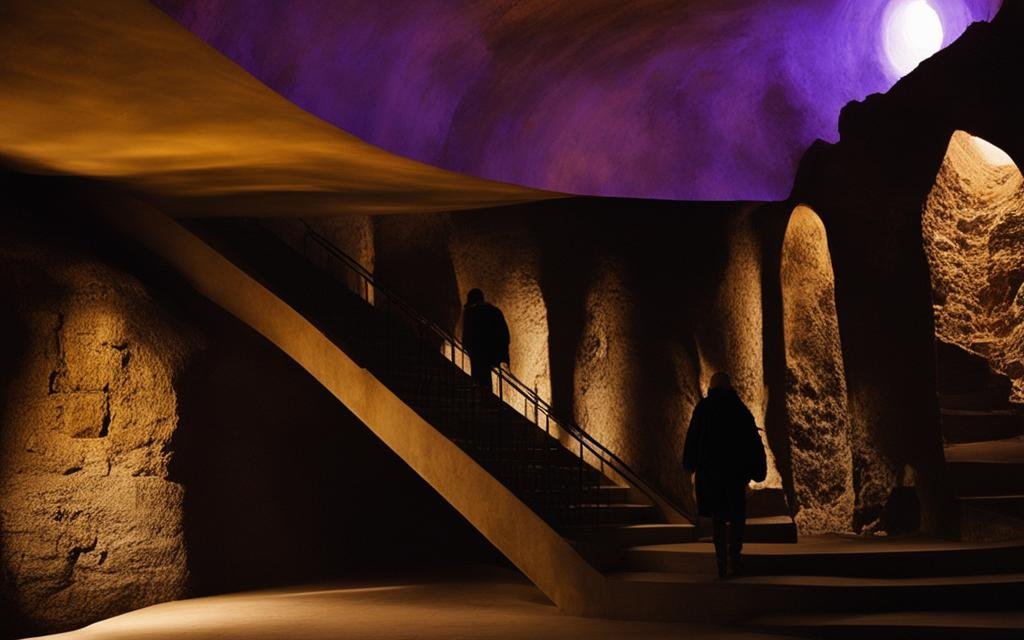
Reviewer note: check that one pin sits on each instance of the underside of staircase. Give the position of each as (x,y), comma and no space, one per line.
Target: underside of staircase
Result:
(576,520)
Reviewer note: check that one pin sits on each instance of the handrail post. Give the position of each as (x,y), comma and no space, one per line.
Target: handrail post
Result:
(464,398)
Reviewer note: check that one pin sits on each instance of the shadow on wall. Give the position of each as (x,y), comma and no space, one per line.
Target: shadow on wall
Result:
(12,353)
(411,255)
(284,485)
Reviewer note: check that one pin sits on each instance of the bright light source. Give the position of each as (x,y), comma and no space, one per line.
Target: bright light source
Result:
(913,32)
(990,153)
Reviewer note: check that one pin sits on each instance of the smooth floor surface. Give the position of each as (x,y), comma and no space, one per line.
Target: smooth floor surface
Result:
(476,603)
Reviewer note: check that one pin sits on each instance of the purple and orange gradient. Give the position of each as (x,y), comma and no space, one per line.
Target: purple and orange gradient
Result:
(700,100)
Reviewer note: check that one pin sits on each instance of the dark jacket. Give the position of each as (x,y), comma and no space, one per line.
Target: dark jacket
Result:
(724,448)
(485,334)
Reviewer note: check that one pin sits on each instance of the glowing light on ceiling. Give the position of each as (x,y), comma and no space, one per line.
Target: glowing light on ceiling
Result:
(990,153)
(912,32)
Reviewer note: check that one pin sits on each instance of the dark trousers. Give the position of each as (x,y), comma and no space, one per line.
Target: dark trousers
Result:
(480,371)
(729,546)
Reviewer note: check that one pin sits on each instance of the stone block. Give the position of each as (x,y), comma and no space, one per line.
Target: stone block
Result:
(84,414)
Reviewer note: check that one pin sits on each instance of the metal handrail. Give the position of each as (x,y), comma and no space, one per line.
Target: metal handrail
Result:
(452,346)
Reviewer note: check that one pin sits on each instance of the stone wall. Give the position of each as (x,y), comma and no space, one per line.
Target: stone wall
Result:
(816,398)
(973,228)
(619,311)
(90,523)
(153,447)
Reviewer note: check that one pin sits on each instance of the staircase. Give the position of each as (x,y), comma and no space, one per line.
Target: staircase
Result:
(582,490)
(577,521)
(984,435)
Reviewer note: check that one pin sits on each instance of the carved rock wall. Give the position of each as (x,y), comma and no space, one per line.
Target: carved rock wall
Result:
(973,227)
(153,447)
(89,522)
(816,399)
(621,321)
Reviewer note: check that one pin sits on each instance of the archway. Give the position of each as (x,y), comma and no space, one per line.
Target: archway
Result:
(973,228)
(815,387)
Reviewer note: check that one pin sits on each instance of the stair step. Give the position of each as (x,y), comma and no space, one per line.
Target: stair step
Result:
(972,425)
(987,479)
(838,556)
(605,494)
(992,518)
(908,625)
(621,513)
(987,469)
(981,400)
(772,529)
(632,534)
(766,503)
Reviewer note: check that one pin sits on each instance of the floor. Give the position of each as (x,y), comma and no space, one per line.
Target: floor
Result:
(475,603)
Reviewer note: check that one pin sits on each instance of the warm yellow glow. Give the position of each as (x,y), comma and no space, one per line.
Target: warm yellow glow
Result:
(990,153)
(815,393)
(115,89)
(972,238)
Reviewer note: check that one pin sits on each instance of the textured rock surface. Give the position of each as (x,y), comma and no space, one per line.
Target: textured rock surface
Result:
(620,322)
(816,402)
(90,526)
(973,229)
(502,260)
(151,446)
(731,332)
(870,190)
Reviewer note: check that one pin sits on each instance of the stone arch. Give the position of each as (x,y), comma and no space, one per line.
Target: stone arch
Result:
(815,385)
(973,232)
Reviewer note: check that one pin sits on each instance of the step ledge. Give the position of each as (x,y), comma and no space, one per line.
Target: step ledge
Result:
(823,582)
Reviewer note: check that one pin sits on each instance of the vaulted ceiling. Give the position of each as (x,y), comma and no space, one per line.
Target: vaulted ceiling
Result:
(694,99)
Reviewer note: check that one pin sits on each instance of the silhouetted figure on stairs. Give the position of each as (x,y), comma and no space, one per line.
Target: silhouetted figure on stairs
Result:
(724,448)
(485,336)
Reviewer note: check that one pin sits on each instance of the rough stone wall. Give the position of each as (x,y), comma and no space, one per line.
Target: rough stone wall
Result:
(90,526)
(502,260)
(620,320)
(973,227)
(153,447)
(731,332)
(816,396)
(870,190)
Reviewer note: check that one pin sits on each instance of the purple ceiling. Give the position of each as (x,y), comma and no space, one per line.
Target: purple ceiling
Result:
(696,100)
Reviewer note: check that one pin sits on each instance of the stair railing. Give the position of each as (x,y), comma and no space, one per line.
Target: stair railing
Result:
(514,392)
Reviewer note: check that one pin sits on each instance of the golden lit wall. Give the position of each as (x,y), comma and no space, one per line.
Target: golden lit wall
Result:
(730,338)
(816,403)
(608,397)
(621,320)
(973,226)
(503,262)
(90,526)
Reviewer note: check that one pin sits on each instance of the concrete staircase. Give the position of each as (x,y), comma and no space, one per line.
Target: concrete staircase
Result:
(571,487)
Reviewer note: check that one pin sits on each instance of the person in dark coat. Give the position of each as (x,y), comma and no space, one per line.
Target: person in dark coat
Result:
(485,336)
(724,448)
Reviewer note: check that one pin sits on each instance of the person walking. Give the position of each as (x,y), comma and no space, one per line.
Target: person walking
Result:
(485,336)
(723,448)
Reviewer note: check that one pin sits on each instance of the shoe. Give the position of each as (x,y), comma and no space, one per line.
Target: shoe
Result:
(736,566)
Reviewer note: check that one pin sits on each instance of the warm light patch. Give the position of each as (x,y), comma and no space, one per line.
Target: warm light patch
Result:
(974,238)
(990,153)
(912,32)
(815,390)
